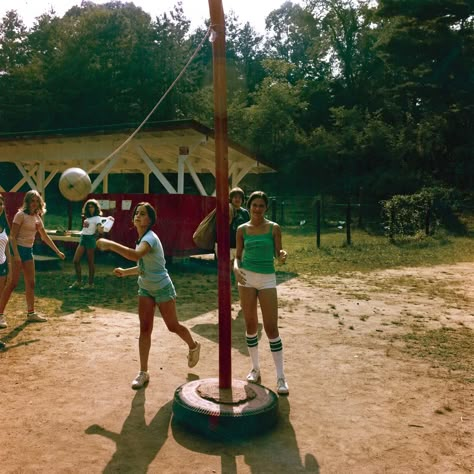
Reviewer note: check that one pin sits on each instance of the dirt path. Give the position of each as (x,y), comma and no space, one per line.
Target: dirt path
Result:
(358,403)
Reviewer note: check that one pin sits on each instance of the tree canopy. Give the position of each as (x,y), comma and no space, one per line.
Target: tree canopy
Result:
(337,94)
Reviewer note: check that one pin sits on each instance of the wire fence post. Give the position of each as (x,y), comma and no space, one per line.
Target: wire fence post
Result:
(348,223)
(318,223)
(427,219)
(274,209)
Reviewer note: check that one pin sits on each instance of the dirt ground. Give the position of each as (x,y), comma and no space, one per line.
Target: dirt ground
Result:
(358,403)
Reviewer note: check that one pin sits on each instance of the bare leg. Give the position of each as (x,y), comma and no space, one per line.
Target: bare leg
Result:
(269,306)
(3,282)
(8,289)
(29,277)
(168,312)
(146,311)
(248,301)
(77,262)
(90,262)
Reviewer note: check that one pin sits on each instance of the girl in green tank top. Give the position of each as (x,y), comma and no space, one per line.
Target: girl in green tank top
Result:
(259,251)
(258,243)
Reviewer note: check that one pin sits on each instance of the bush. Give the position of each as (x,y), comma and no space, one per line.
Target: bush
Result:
(423,212)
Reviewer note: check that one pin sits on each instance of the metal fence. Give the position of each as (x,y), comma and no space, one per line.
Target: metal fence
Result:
(335,213)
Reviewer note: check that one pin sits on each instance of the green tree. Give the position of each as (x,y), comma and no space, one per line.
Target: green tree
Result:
(428,51)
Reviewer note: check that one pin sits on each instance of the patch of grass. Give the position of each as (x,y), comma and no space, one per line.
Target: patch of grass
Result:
(431,288)
(368,252)
(447,347)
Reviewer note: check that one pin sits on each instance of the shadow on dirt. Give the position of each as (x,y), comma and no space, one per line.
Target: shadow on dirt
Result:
(211,332)
(138,443)
(276,451)
(13,334)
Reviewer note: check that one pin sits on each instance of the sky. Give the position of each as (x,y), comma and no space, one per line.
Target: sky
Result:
(253,11)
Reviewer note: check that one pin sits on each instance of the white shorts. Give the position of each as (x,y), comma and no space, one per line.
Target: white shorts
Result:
(259,281)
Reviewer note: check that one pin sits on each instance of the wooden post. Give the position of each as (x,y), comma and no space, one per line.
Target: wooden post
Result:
(391,230)
(427,219)
(274,209)
(182,157)
(318,223)
(348,223)
(69,215)
(222,191)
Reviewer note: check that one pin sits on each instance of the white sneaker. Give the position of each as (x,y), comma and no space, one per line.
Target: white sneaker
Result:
(282,386)
(141,380)
(3,323)
(88,287)
(254,376)
(193,355)
(75,286)
(35,318)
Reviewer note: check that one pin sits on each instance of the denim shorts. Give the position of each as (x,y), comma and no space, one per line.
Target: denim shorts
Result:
(4,268)
(160,296)
(25,253)
(88,241)
(259,281)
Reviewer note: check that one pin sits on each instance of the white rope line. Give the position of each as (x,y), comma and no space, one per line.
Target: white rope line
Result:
(130,138)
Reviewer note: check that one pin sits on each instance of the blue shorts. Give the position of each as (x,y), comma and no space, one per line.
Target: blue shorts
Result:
(88,241)
(160,296)
(4,268)
(25,253)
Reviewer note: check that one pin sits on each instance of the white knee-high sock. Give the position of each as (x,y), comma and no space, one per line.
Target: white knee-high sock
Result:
(276,346)
(252,345)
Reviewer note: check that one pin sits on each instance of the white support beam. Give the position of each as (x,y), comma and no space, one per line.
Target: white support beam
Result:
(50,177)
(241,175)
(232,170)
(161,177)
(196,179)
(18,185)
(27,175)
(104,173)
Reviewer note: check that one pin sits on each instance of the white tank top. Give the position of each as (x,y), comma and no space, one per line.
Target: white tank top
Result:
(3,245)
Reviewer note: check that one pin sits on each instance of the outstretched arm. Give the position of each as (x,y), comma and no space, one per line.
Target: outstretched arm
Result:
(124,272)
(47,240)
(130,254)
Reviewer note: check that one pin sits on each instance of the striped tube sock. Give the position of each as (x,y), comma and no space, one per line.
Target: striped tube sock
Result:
(276,346)
(252,345)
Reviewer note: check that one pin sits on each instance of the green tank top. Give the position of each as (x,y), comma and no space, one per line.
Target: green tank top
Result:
(259,251)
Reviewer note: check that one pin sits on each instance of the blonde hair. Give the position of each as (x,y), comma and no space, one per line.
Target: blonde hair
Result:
(41,211)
